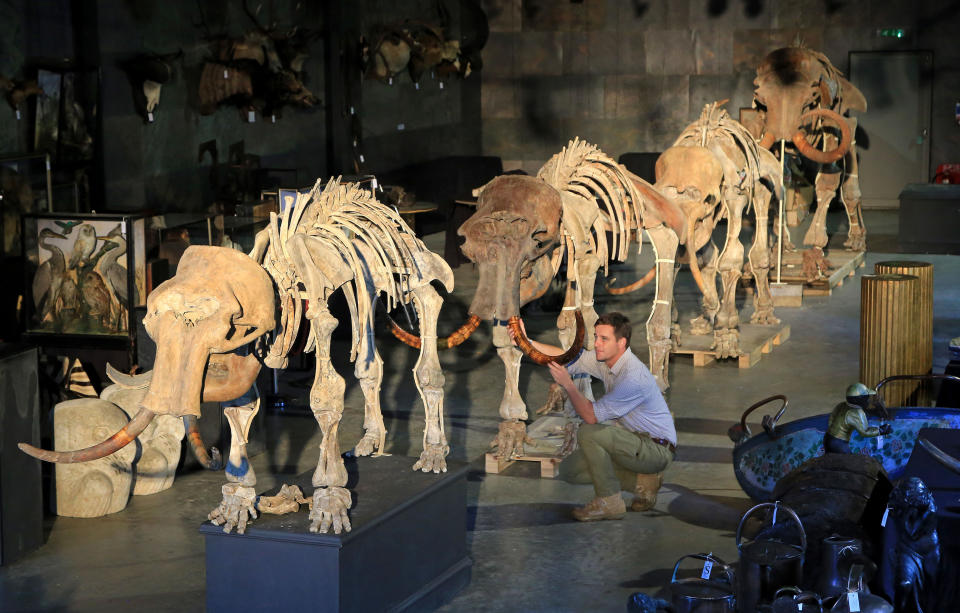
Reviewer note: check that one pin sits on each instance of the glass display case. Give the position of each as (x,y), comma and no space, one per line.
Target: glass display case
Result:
(85,274)
(25,187)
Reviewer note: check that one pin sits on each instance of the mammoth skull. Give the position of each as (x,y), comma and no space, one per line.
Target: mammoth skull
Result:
(516,224)
(219,300)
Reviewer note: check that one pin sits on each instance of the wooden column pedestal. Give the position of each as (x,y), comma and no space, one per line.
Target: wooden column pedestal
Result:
(889,343)
(924,324)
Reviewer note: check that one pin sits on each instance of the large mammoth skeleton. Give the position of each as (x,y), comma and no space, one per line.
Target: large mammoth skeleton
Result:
(525,226)
(716,169)
(335,237)
(803,100)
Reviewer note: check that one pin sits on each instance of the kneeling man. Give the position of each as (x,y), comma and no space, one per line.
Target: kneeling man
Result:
(638,440)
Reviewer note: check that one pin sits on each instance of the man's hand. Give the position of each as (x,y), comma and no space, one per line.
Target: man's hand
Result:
(513,335)
(560,375)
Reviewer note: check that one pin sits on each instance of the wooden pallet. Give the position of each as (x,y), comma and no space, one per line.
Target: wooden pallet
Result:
(755,341)
(549,465)
(544,449)
(843,264)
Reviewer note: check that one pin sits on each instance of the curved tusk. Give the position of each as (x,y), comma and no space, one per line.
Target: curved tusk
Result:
(198,448)
(460,335)
(523,343)
(823,157)
(124,380)
(767,141)
(126,434)
(941,456)
(694,265)
(647,278)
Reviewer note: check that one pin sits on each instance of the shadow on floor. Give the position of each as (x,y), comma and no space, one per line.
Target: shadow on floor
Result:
(525,515)
(706,511)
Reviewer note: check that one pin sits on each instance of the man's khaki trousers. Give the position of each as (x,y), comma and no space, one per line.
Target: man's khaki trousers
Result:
(610,457)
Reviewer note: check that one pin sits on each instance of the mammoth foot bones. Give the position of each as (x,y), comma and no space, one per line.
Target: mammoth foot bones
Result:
(236,509)
(764,316)
(329,508)
(726,342)
(510,440)
(433,458)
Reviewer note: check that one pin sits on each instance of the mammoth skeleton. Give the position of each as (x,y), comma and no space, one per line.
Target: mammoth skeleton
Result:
(804,100)
(525,226)
(335,237)
(716,169)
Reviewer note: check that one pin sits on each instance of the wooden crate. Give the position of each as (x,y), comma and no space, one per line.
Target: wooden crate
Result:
(843,264)
(755,341)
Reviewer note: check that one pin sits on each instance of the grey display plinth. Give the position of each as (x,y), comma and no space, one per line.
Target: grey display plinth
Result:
(930,218)
(21,497)
(407,550)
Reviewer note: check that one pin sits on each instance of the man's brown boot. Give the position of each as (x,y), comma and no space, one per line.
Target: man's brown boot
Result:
(604,507)
(645,492)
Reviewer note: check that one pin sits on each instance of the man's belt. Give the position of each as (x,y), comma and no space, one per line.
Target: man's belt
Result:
(665,443)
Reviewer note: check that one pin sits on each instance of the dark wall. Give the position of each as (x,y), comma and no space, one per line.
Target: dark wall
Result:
(155,165)
(629,75)
(402,124)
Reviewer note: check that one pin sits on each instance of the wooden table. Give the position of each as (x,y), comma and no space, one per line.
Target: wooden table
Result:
(408,213)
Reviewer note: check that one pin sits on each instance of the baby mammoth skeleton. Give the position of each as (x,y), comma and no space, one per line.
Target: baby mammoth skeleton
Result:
(335,237)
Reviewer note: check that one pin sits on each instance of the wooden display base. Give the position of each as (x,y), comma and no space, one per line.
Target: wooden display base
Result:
(407,550)
(547,434)
(843,264)
(755,341)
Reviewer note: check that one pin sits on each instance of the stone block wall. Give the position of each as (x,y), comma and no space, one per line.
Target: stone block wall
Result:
(629,75)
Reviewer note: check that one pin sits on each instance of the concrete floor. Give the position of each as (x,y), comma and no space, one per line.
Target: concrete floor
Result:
(528,554)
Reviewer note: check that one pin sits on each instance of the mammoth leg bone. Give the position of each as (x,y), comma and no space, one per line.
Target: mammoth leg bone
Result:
(826,183)
(429,381)
(703,324)
(579,295)
(369,372)
(760,260)
(726,336)
(331,499)
(665,242)
(238,505)
(851,197)
(513,430)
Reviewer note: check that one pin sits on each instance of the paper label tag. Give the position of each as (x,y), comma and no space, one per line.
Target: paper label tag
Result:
(251,116)
(48,164)
(775,515)
(361,158)
(853,599)
(886,513)
(273,119)
(18,114)
(352,112)
(150,117)
(416,85)
(707,567)
(226,74)
(390,81)
(401,126)
(441,84)
(373,183)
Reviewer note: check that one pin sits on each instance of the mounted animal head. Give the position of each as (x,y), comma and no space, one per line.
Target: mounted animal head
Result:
(147,74)
(261,69)
(517,222)
(219,300)
(795,90)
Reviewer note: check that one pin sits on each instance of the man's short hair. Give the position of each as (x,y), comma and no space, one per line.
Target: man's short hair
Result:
(620,324)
